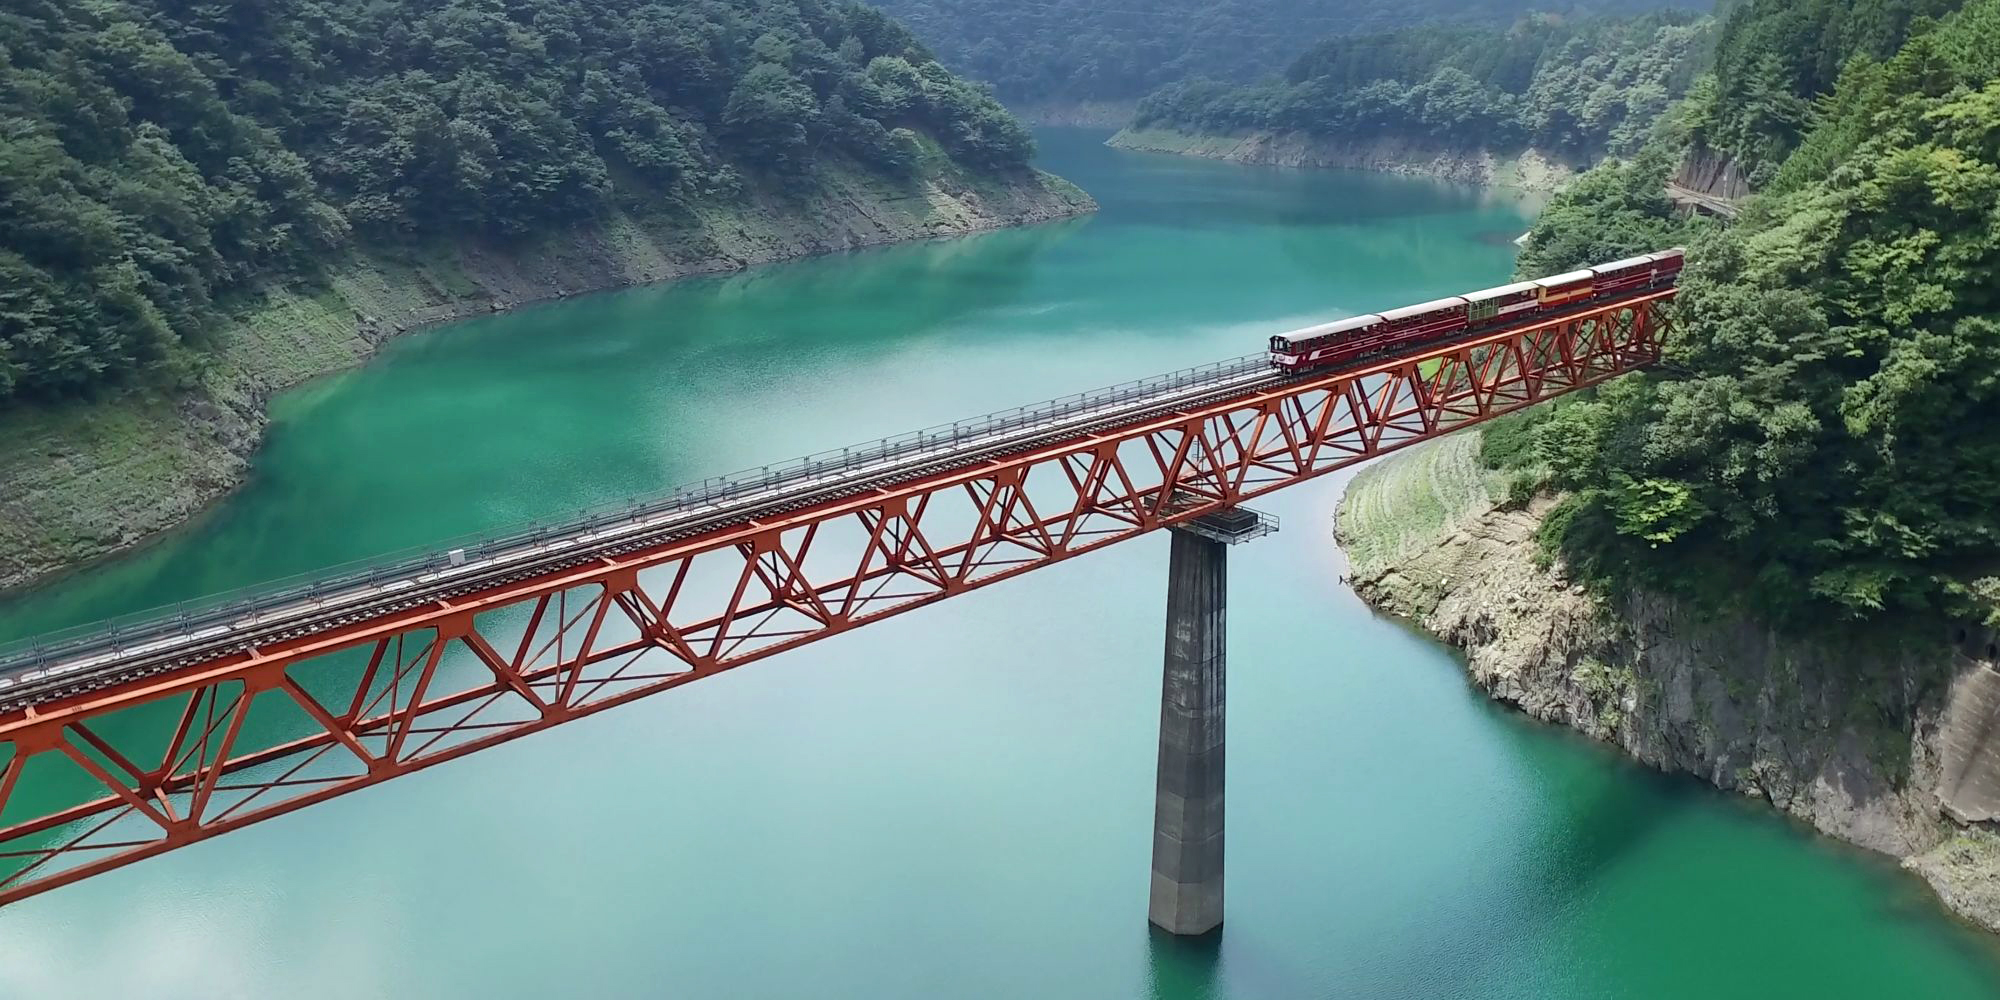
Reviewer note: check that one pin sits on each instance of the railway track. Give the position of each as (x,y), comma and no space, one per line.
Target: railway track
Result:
(35,672)
(93,657)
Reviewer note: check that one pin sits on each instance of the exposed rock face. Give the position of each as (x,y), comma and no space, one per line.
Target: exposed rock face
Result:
(1531,170)
(1712,173)
(1094,114)
(1882,748)
(1962,871)
(84,480)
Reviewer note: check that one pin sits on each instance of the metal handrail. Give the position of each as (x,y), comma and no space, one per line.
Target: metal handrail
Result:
(241,602)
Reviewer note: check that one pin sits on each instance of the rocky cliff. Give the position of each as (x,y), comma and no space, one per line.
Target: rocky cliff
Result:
(1893,749)
(1711,173)
(83,480)
(1079,112)
(1530,170)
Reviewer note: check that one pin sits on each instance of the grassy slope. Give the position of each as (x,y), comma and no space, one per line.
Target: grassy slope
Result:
(1404,503)
(80,480)
(1425,543)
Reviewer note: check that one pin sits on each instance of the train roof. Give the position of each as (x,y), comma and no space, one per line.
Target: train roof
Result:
(1484,295)
(1620,265)
(1503,291)
(1329,329)
(1420,309)
(1564,279)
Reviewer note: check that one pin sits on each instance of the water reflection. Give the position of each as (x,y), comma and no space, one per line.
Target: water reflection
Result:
(1184,968)
(337,481)
(952,803)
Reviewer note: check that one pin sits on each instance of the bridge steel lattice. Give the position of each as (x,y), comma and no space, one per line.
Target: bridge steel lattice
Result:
(98,778)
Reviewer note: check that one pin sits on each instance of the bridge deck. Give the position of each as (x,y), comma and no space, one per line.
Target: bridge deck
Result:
(39,669)
(97,655)
(395,666)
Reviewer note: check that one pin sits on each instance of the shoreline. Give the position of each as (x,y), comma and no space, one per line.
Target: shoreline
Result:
(1528,170)
(1111,115)
(1724,701)
(86,481)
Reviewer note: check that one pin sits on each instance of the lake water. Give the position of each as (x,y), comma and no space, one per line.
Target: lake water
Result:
(958,802)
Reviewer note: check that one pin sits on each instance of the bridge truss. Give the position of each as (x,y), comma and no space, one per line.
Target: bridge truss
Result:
(99,779)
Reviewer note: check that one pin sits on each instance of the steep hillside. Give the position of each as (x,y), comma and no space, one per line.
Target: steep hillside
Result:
(163,155)
(1822,444)
(1773,561)
(1571,90)
(1775,58)
(1054,54)
(201,204)
(1884,745)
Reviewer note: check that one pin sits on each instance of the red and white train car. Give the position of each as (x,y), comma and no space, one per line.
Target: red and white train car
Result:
(1447,319)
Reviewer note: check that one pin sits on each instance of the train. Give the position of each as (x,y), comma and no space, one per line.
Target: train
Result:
(1447,319)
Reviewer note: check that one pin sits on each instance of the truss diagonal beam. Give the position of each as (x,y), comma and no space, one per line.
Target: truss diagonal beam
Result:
(404,689)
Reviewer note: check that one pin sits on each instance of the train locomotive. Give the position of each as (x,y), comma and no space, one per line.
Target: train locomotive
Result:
(1365,336)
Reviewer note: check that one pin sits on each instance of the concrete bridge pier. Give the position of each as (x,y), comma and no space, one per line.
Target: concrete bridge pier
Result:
(1188,805)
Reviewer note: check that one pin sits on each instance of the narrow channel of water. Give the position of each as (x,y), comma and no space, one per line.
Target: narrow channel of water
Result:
(955,802)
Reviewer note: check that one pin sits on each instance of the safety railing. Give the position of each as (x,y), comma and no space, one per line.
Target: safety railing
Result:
(246,604)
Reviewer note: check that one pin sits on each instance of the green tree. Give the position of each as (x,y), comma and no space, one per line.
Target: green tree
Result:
(1822,441)
(165,156)
(771,113)
(1582,86)
(1614,211)
(1070,50)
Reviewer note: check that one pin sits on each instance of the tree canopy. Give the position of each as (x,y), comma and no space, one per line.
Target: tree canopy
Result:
(1824,439)
(1058,50)
(1774,58)
(1576,85)
(161,153)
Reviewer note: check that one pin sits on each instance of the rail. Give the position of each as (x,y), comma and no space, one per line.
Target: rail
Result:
(1700,201)
(32,652)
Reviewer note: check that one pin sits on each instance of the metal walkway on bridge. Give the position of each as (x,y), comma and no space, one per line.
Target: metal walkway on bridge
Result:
(131,738)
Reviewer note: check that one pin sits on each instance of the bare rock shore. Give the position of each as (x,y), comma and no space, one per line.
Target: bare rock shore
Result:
(83,480)
(1897,751)
(1530,170)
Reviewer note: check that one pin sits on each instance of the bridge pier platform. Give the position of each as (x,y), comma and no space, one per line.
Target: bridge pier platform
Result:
(1187,800)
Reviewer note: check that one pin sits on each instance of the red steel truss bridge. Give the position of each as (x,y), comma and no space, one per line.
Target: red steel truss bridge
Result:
(128,739)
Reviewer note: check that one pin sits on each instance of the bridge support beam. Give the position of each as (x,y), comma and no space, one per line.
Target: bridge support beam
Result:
(1187,805)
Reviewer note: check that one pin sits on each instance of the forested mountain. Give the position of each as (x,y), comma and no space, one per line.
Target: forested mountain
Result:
(158,154)
(1584,85)
(1774,59)
(1065,50)
(1824,440)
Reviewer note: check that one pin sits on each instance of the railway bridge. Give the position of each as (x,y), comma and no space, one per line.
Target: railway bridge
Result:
(127,739)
